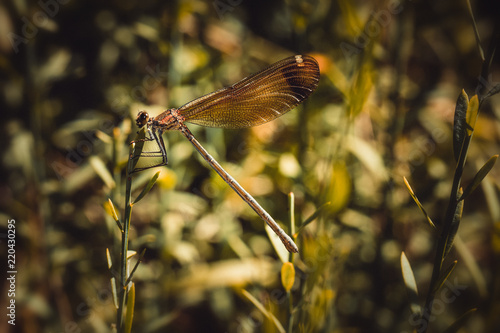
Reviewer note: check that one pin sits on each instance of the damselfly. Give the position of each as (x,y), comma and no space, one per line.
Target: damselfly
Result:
(253,101)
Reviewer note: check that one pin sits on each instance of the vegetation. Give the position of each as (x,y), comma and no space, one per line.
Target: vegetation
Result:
(387,136)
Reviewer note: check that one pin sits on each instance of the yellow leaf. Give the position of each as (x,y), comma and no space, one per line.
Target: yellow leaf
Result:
(339,192)
(287,275)
(472,111)
(109,208)
(130,309)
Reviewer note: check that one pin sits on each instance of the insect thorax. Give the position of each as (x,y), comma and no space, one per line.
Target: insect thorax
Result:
(168,120)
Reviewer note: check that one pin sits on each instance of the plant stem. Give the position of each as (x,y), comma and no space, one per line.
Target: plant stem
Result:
(291,204)
(444,233)
(124,248)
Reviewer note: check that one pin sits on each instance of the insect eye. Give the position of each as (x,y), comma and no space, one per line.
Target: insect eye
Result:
(142,118)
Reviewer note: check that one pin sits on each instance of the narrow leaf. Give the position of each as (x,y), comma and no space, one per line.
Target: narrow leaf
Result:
(459,123)
(113,291)
(444,276)
(102,171)
(287,275)
(129,317)
(312,217)
(110,209)
(454,226)
(147,188)
(108,258)
(478,178)
(135,266)
(130,254)
(277,244)
(422,209)
(104,137)
(476,32)
(473,266)
(472,111)
(411,284)
(493,91)
(264,311)
(459,323)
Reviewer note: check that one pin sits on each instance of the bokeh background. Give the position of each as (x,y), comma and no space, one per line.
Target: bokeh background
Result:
(75,73)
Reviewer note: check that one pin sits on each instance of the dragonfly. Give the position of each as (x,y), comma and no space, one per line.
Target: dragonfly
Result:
(252,101)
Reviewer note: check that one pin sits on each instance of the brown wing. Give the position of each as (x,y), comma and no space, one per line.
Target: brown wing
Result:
(256,99)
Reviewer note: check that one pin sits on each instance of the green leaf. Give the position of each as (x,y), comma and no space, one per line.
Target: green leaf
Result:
(460,321)
(478,178)
(493,91)
(476,32)
(129,317)
(411,284)
(312,217)
(427,217)
(113,291)
(454,226)
(135,266)
(147,188)
(445,275)
(459,123)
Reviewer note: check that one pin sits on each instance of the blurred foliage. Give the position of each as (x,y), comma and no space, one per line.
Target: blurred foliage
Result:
(74,74)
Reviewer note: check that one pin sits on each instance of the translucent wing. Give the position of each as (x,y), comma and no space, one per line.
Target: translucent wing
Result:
(256,99)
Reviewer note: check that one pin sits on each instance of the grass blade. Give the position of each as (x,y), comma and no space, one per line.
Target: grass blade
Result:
(264,311)
(476,32)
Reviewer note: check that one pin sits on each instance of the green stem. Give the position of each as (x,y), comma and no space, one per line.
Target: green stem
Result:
(444,233)
(124,248)
(291,204)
